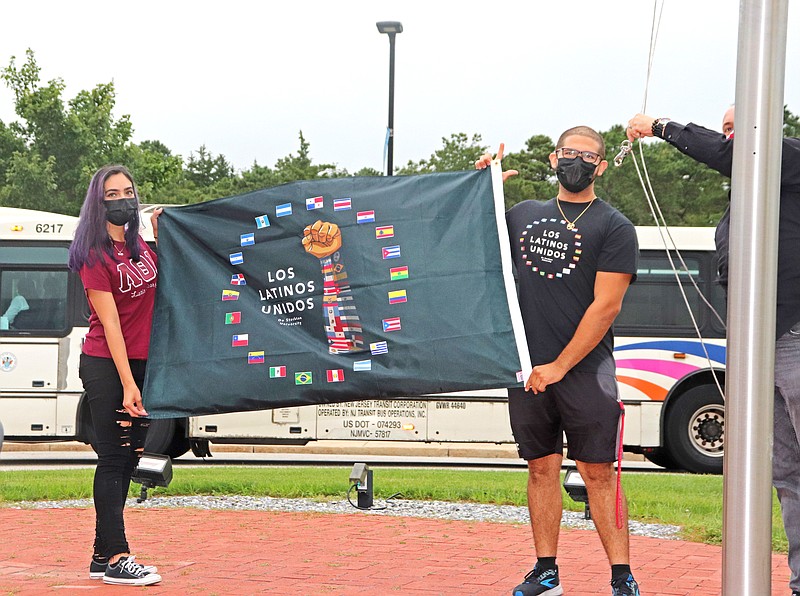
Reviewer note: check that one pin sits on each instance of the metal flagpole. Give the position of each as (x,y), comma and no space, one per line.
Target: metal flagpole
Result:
(747,502)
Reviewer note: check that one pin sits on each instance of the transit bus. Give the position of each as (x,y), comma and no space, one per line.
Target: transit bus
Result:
(666,375)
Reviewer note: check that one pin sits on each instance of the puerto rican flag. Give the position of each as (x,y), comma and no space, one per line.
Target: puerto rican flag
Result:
(392,324)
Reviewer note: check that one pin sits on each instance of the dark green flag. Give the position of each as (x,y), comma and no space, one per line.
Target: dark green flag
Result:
(334,290)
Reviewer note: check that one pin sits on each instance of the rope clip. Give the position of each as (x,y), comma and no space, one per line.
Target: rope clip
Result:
(625,147)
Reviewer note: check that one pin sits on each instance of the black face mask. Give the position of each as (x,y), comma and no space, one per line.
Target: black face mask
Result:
(121,211)
(575,174)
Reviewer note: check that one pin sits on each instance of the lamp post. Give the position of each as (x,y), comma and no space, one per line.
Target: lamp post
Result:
(390,28)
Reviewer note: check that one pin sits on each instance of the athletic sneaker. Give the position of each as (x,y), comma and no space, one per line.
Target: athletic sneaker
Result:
(539,583)
(97,569)
(129,573)
(624,586)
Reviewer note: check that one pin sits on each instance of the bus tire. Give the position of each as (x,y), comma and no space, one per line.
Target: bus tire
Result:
(661,457)
(167,436)
(695,430)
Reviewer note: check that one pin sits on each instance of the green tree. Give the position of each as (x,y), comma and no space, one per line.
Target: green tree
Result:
(791,123)
(536,179)
(63,143)
(457,153)
(688,193)
(204,170)
(31,183)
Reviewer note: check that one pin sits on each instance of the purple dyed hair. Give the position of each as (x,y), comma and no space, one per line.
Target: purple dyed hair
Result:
(91,235)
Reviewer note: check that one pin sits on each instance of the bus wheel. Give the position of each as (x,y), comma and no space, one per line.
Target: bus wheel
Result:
(167,436)
(695,430)
(660,457)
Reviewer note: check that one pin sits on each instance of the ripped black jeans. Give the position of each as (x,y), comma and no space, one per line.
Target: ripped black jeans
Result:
(119,442)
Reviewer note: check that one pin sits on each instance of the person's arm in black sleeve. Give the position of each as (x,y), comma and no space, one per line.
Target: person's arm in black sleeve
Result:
(790,165)
(703,145)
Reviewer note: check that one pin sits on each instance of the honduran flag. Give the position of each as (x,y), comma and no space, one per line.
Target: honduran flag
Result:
(314,203)
(239,341)
(336,376)
(236,258)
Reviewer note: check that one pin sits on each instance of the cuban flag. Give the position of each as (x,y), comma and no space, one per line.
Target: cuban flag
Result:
(392,324)
(237,279)
(365,217)
(236,258)
(262,221)
(239,341)
(391,252)
(341,204)
(314,203)
(336,376)
(247,239)
(283,210)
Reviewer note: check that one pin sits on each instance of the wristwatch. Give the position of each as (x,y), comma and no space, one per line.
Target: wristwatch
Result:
(658,127)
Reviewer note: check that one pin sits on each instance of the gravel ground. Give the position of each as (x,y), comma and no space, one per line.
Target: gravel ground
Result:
(396,507)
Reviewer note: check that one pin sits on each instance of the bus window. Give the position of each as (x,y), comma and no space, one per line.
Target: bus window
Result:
(33,300)
(654,304)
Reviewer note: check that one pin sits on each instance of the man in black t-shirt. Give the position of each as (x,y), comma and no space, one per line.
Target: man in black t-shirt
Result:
(575,256)
(716,151)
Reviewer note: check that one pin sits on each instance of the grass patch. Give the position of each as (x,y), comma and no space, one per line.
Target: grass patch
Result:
(692,502)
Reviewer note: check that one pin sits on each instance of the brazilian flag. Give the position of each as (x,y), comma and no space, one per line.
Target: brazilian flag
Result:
(344,289)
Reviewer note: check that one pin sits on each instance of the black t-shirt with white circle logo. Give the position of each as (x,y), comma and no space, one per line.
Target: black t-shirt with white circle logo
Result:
(557,267)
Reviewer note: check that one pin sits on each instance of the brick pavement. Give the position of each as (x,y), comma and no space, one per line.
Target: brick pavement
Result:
(247,552)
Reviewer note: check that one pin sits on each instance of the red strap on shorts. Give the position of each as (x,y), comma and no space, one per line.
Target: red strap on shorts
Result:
(619,466)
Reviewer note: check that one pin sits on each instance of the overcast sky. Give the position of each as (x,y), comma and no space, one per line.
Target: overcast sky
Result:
(244,77)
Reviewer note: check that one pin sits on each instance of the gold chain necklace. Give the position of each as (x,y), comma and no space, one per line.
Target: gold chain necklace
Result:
(571,224)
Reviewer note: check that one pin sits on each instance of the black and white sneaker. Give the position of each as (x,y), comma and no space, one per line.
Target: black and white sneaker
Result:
(128,572)
(540,583)
(624,586)
(97,569)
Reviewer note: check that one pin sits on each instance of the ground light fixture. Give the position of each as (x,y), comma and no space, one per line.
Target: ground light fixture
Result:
(153,470)
(361,481)
(576,489)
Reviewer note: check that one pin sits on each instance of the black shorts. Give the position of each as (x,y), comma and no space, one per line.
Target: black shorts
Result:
(585,406)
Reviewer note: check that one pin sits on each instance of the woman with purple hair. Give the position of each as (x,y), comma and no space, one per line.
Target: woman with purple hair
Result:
(119,273)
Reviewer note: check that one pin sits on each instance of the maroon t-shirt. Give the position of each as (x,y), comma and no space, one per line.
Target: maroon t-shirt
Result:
(133,286)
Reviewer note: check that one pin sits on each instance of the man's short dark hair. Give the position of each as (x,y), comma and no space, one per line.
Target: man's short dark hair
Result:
(583,131)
